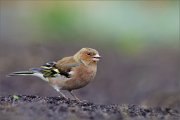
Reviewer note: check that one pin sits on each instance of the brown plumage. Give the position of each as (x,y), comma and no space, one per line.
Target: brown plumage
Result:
(69,73)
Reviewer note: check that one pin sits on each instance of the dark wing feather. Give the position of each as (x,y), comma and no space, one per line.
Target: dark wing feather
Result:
(48,69)
(62,67)
(49,64)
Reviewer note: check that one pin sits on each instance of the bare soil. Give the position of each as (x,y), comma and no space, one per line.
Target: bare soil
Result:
(28,107)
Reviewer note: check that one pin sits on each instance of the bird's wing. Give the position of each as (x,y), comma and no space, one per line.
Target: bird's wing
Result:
(66,64)
(48,70)
(62,67)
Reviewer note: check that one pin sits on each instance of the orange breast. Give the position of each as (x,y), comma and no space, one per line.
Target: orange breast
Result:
(81,77)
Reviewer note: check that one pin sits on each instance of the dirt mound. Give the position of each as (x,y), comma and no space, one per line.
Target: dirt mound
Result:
(27,107)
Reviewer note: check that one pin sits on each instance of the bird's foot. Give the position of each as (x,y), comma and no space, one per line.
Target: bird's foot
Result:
(83,101)
(80,101)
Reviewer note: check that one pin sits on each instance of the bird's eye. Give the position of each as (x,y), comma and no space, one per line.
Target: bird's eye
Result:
(88,53)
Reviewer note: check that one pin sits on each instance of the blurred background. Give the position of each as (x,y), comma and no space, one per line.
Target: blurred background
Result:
(138,41)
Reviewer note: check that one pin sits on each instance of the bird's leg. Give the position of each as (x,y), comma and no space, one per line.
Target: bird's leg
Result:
(62,95)
(75,97)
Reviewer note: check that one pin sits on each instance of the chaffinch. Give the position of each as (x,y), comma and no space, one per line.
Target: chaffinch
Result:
(69,73)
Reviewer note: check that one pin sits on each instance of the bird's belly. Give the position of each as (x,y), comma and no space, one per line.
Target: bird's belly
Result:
(74,84)
(81,78)
(59,82)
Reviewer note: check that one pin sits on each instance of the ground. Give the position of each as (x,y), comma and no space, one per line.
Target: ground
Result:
(28,107)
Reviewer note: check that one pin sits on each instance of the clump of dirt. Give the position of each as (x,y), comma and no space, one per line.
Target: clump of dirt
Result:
(28,107)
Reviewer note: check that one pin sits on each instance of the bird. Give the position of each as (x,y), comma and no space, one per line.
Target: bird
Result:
(69,73)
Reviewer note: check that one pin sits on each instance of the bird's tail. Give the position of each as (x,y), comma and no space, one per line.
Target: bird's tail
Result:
(21,73)
(28,73)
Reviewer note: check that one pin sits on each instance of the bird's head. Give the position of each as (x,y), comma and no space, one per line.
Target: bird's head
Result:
(87,56)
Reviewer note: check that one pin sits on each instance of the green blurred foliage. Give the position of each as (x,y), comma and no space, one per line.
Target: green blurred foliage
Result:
(126,25)
(56,20)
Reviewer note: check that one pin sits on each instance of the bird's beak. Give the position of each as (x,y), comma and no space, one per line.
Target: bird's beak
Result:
(96,57)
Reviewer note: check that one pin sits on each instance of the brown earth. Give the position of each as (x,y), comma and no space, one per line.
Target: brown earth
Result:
(27,107)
